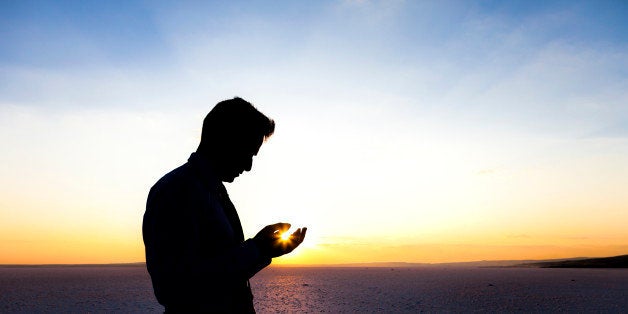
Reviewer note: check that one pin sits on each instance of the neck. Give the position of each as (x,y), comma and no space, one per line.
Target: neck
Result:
(210,160)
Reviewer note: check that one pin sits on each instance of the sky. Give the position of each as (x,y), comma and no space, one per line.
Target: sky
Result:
(407,131)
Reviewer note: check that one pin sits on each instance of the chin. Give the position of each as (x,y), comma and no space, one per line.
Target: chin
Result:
(229,178)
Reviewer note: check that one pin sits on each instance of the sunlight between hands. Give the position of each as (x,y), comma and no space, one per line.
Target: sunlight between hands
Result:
(270,243)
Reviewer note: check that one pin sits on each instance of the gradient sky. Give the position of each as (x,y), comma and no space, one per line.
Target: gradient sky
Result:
(406,131)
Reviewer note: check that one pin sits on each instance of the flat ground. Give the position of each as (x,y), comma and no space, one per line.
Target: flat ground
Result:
(397,290)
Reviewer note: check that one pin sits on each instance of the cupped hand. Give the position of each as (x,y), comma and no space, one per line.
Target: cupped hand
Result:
(271,244)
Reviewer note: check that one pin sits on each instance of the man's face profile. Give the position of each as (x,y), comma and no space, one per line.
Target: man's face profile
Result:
(238,157)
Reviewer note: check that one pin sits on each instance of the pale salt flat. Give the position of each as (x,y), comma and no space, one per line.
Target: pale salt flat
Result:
(127,289)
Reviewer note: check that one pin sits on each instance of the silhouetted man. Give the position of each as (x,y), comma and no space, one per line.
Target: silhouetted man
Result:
(196,254)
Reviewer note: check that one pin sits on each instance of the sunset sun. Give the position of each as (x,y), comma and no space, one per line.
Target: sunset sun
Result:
(285,236)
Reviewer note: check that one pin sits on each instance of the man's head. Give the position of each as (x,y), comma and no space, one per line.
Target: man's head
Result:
(233,132)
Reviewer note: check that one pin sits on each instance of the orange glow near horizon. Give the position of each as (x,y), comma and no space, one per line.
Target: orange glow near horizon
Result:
(91,228)
(49,246)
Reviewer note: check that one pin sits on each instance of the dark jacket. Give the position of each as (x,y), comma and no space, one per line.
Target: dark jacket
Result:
(195,250)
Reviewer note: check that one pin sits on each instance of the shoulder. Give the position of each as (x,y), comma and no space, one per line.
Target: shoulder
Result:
(173,183)
(175,177)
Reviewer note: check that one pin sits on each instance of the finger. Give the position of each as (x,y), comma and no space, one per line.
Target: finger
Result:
(269,229)
(303,231)
(297,236)
(282,226)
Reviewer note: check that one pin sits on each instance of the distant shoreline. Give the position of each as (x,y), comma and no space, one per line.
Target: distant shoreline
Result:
(577,262)
(602,262)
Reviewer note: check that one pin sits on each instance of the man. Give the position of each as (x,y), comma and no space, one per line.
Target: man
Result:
(196,254)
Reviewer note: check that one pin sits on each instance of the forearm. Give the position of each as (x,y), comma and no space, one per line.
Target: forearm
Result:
(241,262)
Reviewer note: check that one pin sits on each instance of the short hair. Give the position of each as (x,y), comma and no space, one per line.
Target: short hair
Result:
(235,120)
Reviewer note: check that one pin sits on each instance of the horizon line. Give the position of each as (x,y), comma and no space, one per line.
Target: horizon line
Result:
(354,264)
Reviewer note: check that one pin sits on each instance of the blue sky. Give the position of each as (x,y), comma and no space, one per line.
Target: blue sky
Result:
(476,118)
(420,51)
(43,32)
